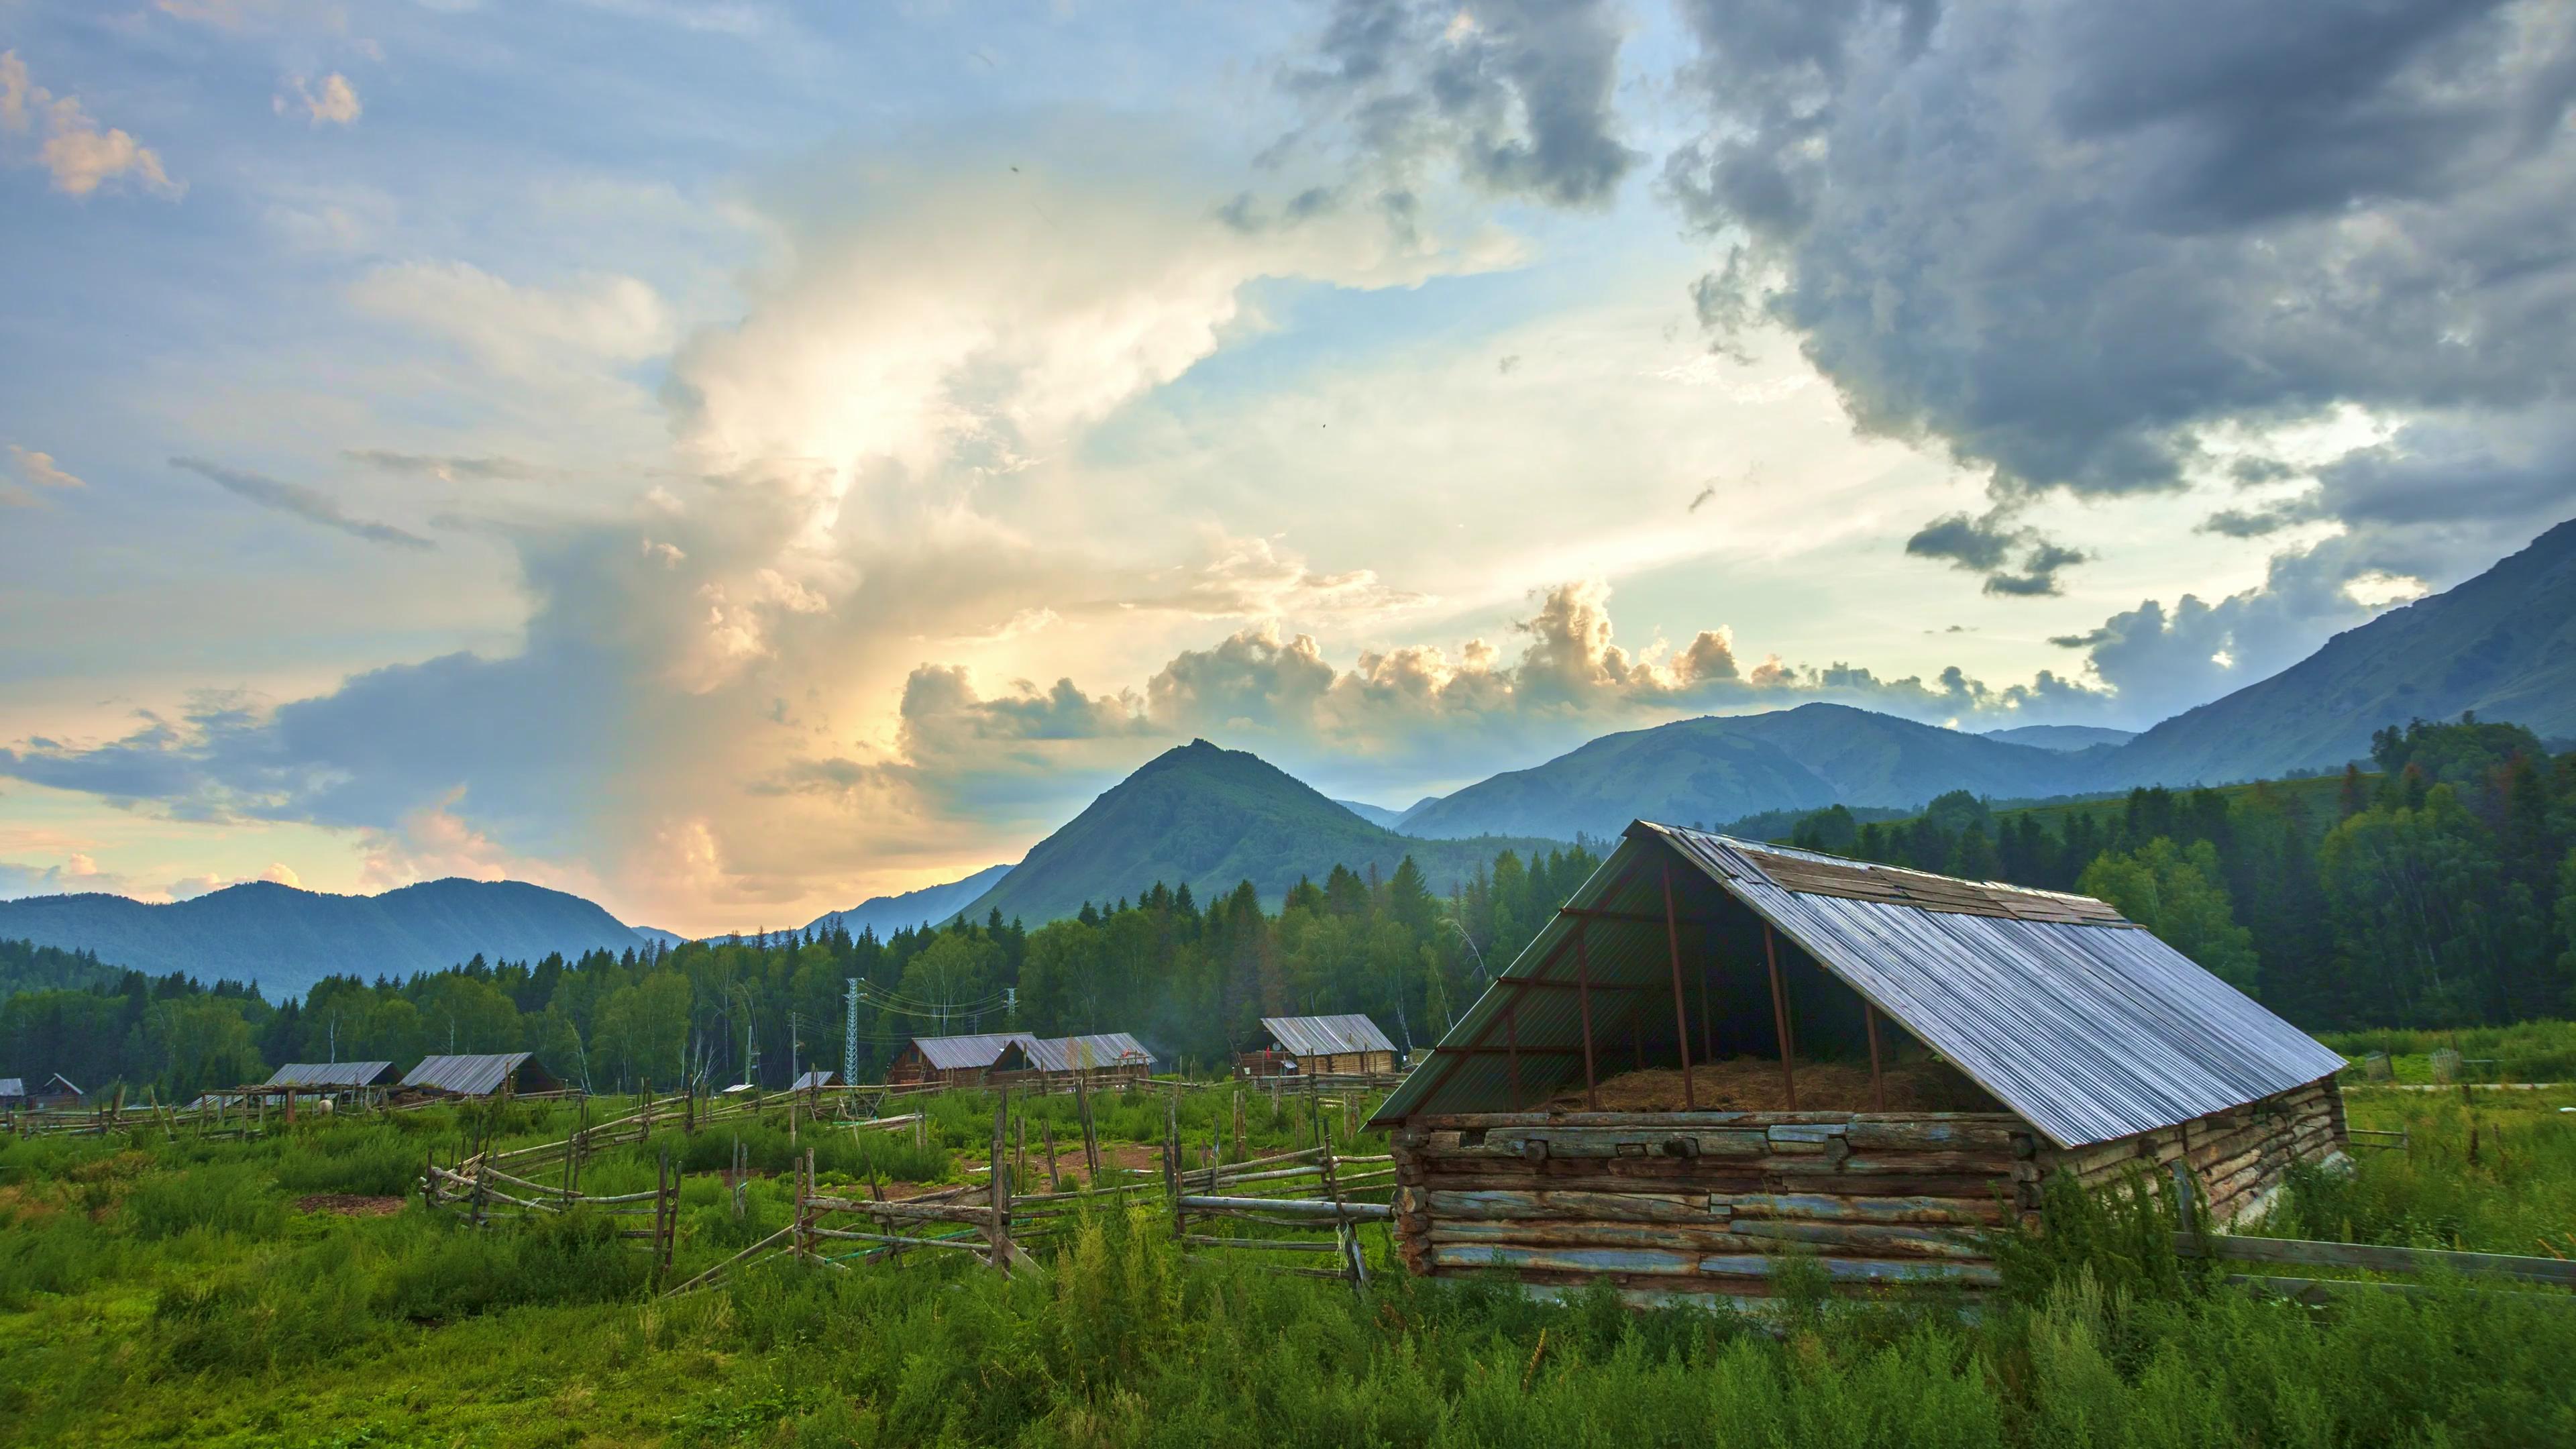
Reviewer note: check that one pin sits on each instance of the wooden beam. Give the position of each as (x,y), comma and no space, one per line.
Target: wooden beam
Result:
(1681,1012)
(1642,918)
(1877,1082)
(1583,995)
(1512,1048)
(1780,1019)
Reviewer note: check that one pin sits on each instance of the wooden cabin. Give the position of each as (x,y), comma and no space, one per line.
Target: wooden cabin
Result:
(1099,1059)
(56,1093)
(957,1061)
(1348,1045)
(1720,1052)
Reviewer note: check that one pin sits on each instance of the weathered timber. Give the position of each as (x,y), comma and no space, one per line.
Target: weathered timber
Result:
(1575,1206)
(1987,1211)
(1666,1262)
(2558,1272)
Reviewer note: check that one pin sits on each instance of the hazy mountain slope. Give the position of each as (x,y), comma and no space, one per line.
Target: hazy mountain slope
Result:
(2063,738)
(1726,768)
(1210,818)
(2502,644)
(1373,814)
(286,939)
(936,905)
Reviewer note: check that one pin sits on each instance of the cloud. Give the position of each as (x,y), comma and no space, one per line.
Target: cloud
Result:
(1516,94)
(1987,546)
(74,151)
(309,504)
(528,332)
(333,103)
(1701,497)
(2074,244)
(446,468)
(41,469)
(76,874)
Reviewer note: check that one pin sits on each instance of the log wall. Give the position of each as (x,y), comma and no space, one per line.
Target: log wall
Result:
(2238,1158)
(1706,1202)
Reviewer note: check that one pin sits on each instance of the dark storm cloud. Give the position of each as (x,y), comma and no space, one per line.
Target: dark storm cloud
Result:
(2071,241)
(1988,546)
(311,505)
(1518,94)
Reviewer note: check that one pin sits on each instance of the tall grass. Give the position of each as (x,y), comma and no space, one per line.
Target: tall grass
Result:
(185,1303)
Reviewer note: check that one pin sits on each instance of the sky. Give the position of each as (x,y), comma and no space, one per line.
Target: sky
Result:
(734,459)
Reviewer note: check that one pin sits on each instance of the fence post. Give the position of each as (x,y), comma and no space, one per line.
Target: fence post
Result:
(1001,1230)
(1172,1161)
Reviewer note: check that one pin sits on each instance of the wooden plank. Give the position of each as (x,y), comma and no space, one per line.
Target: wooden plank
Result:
(1876,1240)
(1509,1206)
(2557,1272)
(1704,1237)
(1985,1211)
(1866,1135)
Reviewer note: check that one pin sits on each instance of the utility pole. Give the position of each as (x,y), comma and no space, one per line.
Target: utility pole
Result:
(850,1034)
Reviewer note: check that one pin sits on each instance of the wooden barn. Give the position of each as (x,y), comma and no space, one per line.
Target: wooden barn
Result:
(1348,1045)
(1719,1052)
(957,1061)
(1103,1058)
(480,1075)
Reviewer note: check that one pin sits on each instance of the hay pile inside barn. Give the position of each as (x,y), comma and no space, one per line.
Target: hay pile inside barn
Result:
(1752,1084)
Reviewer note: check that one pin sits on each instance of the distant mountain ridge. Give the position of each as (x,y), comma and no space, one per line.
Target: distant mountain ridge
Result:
(1721,768)
(1210,818)
(2502,644)
(934,905)
(2067,738)
(286,939)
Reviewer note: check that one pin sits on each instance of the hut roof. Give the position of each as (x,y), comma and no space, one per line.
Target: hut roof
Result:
(2078,1020)
(332,1074)
(1324,1036)
(66,1083)
(967,1053)
(12,1087)
(1097,1049)
(469,1076)
(811,1080)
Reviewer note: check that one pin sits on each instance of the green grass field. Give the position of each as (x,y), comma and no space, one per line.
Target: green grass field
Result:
(158,1291)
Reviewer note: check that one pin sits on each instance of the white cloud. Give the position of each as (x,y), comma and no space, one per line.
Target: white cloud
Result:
(333,103)
(524,331)
(74,150)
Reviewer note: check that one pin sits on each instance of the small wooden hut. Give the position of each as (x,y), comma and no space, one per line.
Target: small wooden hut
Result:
(480,1075)
(1668,1089)
(57,1093)
(957,1061)
(1319,1045)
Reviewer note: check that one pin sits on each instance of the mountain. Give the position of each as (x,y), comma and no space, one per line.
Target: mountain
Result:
(660,937)
(1373,814)
(1726,768)
(2063,738)
(1209,818)
(286,939)
(2502,644)
(937,905)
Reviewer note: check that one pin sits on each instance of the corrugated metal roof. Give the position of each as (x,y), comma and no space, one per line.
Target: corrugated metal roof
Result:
(966,1053)
(66,1083)
(331,1074)
(1098,1049)
(12,1087)
(2086,1026)
(1323,1036)
(811,1080)
(471,1076)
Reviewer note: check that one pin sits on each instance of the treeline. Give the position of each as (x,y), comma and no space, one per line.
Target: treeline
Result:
(2440,891)
(1191,980)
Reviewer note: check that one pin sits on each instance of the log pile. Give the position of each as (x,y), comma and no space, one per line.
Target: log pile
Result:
(1708,1202)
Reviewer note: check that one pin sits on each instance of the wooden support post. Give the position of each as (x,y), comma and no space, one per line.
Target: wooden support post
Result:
(1877,1081)
(1583,997)
(1020,1162)
(1780,1019)
(1000,1234)
(1171,1162)
(1242,1139)
(1512,1049)
(1046,1134)
(1681,1011)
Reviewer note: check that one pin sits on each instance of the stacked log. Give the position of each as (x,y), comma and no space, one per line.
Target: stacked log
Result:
(1712,1202)
(2238,1157)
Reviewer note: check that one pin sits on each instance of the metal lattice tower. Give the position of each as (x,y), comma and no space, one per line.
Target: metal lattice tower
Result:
(850,1034)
